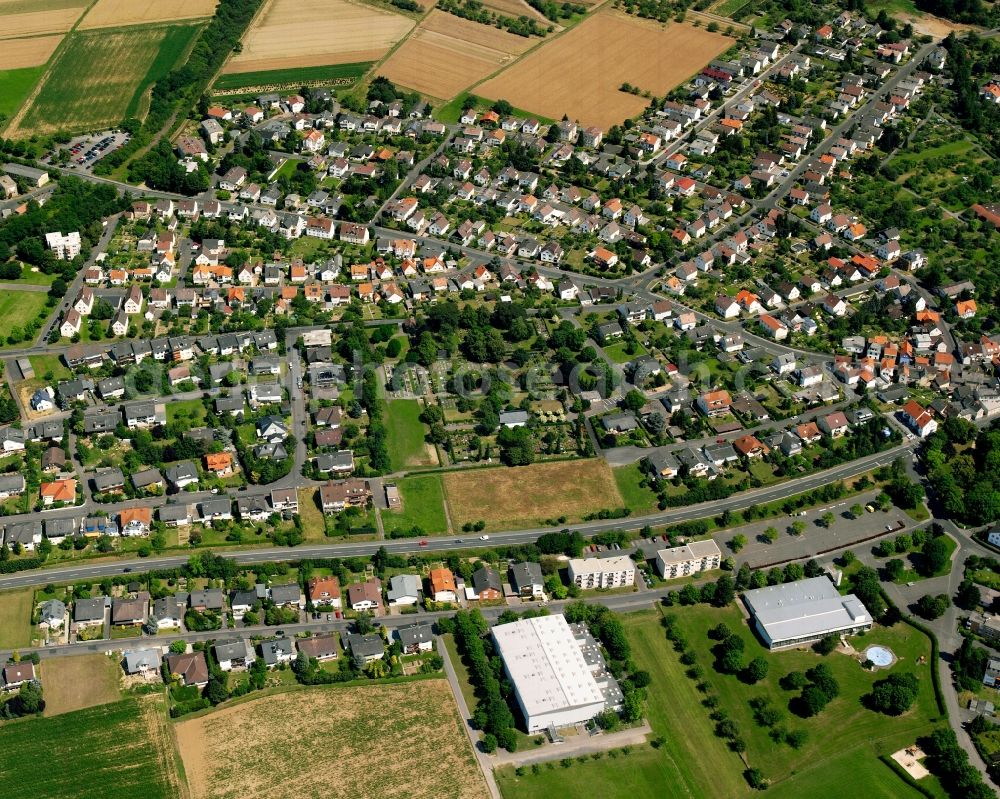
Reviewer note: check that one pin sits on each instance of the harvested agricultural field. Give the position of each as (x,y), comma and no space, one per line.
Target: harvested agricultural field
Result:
(31,52)
(112,752)
(402,741)
(73,683)
(447,53)
(116,13)
(580,72)
(100,77)
(527,496)
(23,18)
(311,33)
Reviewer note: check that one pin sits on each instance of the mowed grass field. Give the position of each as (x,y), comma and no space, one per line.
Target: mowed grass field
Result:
(308,33)
(119,751)
(81,681)
(407,447)
(15,618)
(116,13)
(580,72)
(642,774)
(447,54)
(401,741)
(17,308)
(35,17)
(845,731)
(423,506)
(100,77)
(525,496)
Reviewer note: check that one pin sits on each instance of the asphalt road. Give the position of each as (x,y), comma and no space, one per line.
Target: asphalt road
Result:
(446,543)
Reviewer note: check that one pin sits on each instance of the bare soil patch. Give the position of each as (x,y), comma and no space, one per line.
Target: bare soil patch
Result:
(310,33)
(932,26)
(77,682)
(35,23)
(446,54)
(523,496)
(517,8)
(20,53)
(114,13)
(580,72)
(401,741)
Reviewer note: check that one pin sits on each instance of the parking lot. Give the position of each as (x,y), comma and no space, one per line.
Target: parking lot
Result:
(85,151)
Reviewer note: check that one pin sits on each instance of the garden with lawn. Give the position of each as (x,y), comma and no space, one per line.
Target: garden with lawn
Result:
(423,508)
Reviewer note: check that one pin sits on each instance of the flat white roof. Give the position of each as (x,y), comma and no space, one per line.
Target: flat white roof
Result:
(696,550)
(804,608)
(599,565)
(546,664)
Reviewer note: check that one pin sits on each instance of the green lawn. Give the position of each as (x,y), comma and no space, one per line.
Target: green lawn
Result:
(878,779)
(17,308)
(639,499)
(15,86)
(29,278)
(15,618)
(102,76)
(191,411)
(616,352)
(43,364)
(294,76)
(406,434)
(423,506)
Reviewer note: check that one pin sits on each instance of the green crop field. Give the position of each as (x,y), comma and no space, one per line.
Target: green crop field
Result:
(15,85)
(18,308)
(114,751)
(102,76)
(291,77)
(406,435)
(423,506)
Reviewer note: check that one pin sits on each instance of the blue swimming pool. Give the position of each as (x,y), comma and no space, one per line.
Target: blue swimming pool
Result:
(879,655)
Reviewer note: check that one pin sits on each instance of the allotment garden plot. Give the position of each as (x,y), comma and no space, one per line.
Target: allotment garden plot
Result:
(310,33)
(580,73)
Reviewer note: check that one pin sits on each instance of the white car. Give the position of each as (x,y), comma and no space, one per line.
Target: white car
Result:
(484,538)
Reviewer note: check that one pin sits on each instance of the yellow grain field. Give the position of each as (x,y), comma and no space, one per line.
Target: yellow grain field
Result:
(33,52)
(312,33)
(446,54)
(579,73)
(114,13)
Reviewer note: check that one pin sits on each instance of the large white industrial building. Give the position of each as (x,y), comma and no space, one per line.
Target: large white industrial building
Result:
(557,670)
(803,611)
